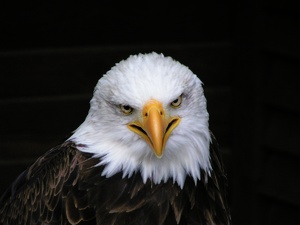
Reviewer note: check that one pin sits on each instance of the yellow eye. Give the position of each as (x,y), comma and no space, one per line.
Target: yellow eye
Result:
(126,109)
(177,102)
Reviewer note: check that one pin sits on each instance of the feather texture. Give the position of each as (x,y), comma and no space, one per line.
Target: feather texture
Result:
(65,187)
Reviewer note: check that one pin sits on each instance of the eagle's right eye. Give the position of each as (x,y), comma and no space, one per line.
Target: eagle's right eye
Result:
(126,109)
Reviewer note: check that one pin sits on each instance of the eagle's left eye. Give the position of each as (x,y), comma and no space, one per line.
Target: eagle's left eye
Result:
(177,102)
(126,109)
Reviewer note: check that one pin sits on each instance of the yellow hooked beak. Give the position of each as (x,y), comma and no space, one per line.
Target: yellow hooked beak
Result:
(154,127)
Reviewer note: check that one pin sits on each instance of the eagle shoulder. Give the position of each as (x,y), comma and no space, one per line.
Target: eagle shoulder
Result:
(44,189)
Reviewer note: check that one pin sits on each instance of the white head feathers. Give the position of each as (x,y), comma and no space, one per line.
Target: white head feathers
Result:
(133,82)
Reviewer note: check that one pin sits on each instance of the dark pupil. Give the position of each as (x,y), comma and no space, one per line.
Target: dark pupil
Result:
(175,101)
(126,107)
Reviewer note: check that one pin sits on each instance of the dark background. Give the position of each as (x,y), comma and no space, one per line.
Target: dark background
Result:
(246,53)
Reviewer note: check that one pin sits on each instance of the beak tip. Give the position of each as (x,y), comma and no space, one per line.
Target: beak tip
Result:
(159,156)
(158,151)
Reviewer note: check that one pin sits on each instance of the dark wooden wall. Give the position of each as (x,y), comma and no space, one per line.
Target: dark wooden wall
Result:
(246,53)
(266,148)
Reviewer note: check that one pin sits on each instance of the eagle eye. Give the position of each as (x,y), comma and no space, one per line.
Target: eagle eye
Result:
(177,102)
(126,109)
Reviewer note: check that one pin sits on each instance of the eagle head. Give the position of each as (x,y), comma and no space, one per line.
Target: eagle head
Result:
(148,114)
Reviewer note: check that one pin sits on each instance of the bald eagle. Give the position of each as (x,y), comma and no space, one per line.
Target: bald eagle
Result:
(143,156)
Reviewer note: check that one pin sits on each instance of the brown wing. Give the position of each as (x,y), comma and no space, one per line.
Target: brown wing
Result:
(65,187)
(217,210)
(45,191)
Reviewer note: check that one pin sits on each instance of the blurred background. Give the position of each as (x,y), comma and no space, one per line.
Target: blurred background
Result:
(246,53)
